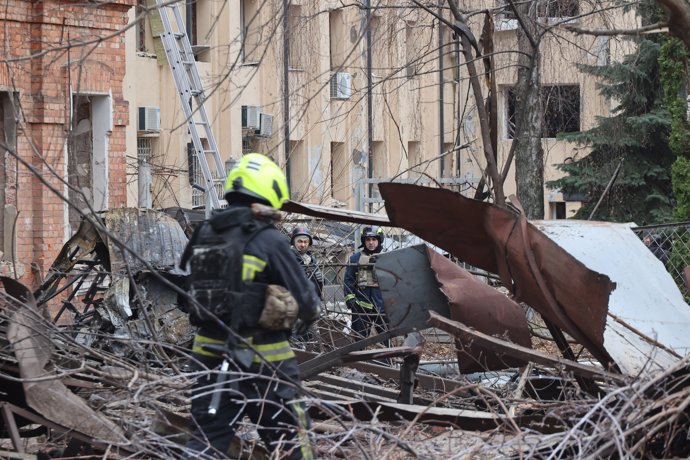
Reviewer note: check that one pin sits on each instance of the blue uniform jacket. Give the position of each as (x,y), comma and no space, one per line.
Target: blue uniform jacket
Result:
(367,297)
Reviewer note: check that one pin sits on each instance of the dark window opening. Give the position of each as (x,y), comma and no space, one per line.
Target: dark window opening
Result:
(561,110)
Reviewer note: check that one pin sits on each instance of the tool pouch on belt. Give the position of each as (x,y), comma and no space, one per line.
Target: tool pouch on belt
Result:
(280,309)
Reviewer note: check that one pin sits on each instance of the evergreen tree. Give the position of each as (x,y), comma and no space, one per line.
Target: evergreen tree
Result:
(635,136)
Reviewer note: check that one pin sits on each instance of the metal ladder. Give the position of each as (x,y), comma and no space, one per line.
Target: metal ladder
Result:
(178,50)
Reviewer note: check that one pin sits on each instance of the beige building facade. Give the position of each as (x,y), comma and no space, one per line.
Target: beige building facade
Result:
(298,81)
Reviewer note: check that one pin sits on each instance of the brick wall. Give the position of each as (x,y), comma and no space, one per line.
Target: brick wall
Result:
(50,47)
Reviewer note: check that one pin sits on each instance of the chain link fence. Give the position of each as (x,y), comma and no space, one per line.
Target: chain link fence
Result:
(334,242)
(670,243)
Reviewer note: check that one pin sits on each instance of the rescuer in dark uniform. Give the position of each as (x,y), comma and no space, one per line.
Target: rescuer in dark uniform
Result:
(247,290)
(362,293)
(301,241)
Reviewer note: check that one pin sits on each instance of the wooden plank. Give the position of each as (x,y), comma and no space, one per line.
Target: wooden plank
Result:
(467,334)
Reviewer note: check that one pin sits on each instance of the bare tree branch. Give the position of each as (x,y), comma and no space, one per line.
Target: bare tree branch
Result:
(659,27)
(678,13)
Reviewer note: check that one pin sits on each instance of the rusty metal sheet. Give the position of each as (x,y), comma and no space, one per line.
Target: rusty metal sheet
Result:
(341,215)
(500,240)
(29,334)
(417,279)
(154,236)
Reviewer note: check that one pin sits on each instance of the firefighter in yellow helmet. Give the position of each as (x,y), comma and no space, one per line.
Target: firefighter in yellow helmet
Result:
(246,292)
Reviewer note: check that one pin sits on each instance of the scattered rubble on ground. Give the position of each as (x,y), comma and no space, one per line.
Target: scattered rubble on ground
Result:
(584,359)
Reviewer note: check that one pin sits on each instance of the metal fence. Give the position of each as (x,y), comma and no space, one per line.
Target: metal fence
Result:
(334,242)
(671,244)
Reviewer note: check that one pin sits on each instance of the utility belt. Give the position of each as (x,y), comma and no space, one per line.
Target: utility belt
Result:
(267,306)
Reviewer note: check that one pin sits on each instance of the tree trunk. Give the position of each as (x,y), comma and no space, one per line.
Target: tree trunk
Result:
(529,154)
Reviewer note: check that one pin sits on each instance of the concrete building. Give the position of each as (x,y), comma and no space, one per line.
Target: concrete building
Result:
(295,80)
(340,95)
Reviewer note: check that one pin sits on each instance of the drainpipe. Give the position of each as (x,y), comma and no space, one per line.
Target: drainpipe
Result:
(286,92)
(440,94)
(370,102)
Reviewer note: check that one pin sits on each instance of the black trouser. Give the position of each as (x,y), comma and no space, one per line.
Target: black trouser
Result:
(258,393)
(363,319)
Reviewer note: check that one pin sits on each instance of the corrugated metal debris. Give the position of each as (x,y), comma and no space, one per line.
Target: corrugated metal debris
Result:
(107,368)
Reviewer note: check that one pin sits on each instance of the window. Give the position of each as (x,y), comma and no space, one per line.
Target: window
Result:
(380,46)
(561,108)
(8,136)
(336,36)
(196,175)
(412,51)
(144,154)
(340,172)
(507,19)
(557,209)
(299,171)
(87,155)
(559,8)
(141,26)
(379,157)
(546,9)
(144,149)
(450,50)
(295,37)
(250,31)
(199,27)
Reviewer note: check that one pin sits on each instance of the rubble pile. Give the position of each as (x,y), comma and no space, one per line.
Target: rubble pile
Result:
(95,361)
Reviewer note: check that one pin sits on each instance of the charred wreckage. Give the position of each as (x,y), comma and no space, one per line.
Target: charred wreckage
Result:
(94,360)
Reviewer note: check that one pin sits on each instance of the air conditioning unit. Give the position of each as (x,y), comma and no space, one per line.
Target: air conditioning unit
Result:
(341,85)
(149,119)
(251,117)
(266,125)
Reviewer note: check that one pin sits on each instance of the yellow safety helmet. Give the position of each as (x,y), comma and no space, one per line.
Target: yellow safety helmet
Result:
(257,176)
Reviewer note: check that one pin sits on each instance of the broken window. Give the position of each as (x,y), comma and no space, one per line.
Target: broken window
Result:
(561,109)
(559,9)
(198,28)
(87,156)
(141,27)
(8,142)
(79,161)
(143,34)
(546,9)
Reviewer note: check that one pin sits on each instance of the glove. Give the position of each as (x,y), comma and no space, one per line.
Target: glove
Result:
(350,304)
